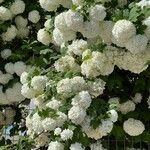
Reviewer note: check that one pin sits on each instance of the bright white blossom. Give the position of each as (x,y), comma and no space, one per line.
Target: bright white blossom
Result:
(55,146)
(66,134)
(5,14)
(133,127)
(34,16)
(76,146)
(6,53)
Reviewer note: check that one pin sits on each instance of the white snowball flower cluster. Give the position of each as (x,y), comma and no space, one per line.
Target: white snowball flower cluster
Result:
(97,13)
(98,64)
(11,95)
(21,22)
(54,104)
(5,14)
(66,63)
(77,114)
(78,2)
(133,127)
(57,131)
(137,44)
(55,146)
(83,99)
(6,53)
(78,47)
(137,98)
(44,36)
(76,146)
(10,34)
(39,82)
(126,107)
(143,3)
(23,30)
(18,68)
(122,31)
(42,140)
(68,86)
(53,4)
(96,88)
(17,7)
(34,16)
(5,78)
(66,134)
(97,146)
(14,94)
(103,129)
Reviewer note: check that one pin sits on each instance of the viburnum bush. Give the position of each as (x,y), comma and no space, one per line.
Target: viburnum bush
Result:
(85,66)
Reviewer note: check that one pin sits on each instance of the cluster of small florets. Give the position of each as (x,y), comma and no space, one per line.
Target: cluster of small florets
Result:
(14,14)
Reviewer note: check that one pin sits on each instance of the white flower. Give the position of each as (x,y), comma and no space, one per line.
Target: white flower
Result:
(133,127)
(21,22)
(69,87)
(17,7)
(76,146)
(97,87)
(49,124)
(137,44)
(106,31)
(5,78)
(5,14)
(14,94)
(60,22)
(42,140)
(49,5)
(54,104)
(62,117)
(61,37)
(97,64)
(106,127)
(39,82)
(44,37)
(57,131)
(10,34)
(55,146)
(83,99)
(76,114)
(9,67)
(113,115)
(27,92)
(91,29)
(97,146)
(24,78)
(5,53)
(78,47)
(143,3)
(137,98)
(122,31)
(37,123)
(74,20)
(34,16)
(66,134)
(66,63)
(23,32)
(126,107)
(19,67)
(48,24)
(97,13)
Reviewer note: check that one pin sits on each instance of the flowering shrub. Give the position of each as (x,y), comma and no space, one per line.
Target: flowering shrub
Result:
(91,69)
